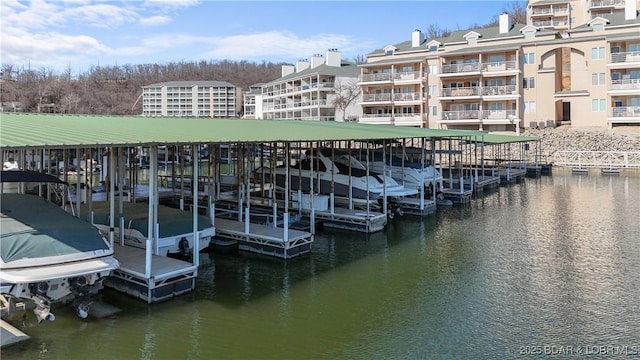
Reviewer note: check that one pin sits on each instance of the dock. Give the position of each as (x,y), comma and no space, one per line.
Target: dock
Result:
(265,239)
(169,277)
(411,206)
(11,335)
(340,218)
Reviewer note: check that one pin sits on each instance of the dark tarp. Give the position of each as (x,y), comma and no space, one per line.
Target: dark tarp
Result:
(28,176)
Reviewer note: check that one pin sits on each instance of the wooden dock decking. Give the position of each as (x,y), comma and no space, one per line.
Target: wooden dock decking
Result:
(169,277)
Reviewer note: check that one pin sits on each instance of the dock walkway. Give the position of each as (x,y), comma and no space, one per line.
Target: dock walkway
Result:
(265,239)
(169,277)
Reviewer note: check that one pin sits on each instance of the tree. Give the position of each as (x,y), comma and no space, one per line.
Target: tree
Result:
(346,91)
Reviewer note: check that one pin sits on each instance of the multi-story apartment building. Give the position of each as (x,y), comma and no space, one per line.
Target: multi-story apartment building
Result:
(569,14)
(313,90)
(252,102)
(511,76)
(190,98)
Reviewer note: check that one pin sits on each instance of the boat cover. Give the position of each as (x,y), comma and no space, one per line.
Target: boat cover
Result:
(28,176)
(32,227)
(173,222)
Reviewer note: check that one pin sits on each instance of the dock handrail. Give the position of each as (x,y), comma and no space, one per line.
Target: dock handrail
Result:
(598,159)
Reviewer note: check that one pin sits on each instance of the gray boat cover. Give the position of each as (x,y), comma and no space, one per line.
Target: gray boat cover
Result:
(173,222)
(32,227)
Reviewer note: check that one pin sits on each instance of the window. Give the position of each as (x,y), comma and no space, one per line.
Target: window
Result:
(433,90)
(530,106)
(496,106)
(433,48)
(597,79)
(433,69)
(597,53)
(528,83)
(598,105)
(529,58)
(433,110)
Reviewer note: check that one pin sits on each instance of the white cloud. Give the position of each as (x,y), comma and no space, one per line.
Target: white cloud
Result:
(48,49)
(276,44)
(155,20)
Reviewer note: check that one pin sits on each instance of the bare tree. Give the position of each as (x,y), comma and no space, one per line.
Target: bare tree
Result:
(346,92)
(517,11)
(435,31)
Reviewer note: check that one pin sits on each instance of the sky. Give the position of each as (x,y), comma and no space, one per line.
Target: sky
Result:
(80,34)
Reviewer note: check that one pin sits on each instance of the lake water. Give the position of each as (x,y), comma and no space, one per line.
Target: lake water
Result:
(548,266)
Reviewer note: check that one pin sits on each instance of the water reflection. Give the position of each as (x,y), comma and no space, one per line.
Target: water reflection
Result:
(552,261)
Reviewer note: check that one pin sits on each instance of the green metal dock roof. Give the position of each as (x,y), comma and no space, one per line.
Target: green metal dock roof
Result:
(22,131)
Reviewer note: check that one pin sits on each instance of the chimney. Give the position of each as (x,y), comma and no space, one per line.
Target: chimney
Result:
(630,10)
(288,70)
(505,23)
(416,38)
(302,65)
(333,58)
(316,60)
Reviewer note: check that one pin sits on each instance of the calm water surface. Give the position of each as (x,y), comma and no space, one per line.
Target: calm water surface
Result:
(549,262)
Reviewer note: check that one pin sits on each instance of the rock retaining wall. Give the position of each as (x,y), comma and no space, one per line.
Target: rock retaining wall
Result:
(586,139)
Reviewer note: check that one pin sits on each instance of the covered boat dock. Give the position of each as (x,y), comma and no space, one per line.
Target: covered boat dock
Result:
(142,273)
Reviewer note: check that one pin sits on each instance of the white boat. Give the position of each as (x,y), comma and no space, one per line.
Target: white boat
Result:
(47,255)
(405,172)
(347,176)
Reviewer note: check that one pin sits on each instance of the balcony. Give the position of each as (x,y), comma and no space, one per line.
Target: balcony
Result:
(461,92)
(407,96)
(499,90)
(551,23)
(479,116)
(624,84)
(549,11)
(385,97)
(460,68)
(625,57)
(606,4)
(407,76)
(498,66)
(378,77)
(389,119)
(626,112)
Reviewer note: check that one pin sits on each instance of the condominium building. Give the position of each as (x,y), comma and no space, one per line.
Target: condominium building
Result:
(252,102)
(319,89)
(190,98)
(511,76)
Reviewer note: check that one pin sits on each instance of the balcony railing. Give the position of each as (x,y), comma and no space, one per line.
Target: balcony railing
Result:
(632,56)
(461,91)
(376,97)
(406,96)
(376,77)
(499,90)
(549,11)
(625,84)
(499,66)
(458,68)
(607,3)
(409,75)
(461,115)
(550,23)
(478,115)
(626,111)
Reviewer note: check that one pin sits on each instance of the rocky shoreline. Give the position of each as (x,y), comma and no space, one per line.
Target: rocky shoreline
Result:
(586,139)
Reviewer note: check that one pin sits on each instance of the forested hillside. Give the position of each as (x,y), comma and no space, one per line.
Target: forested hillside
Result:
(114,90)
